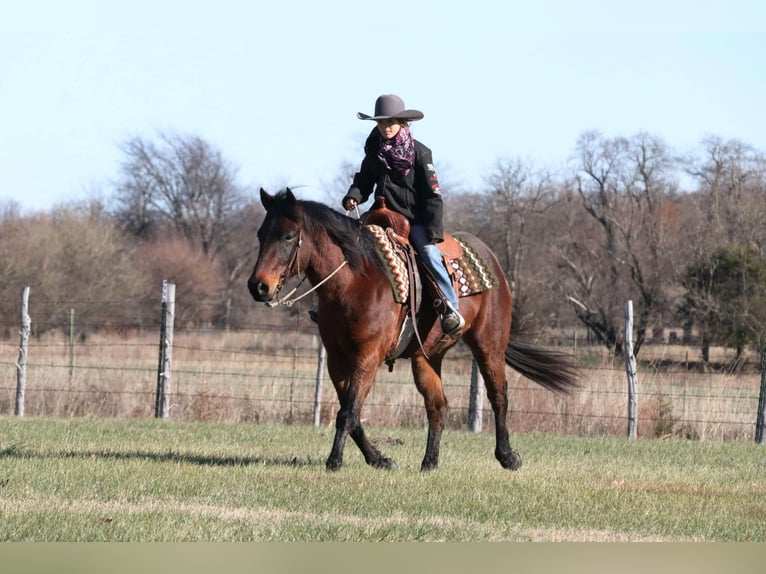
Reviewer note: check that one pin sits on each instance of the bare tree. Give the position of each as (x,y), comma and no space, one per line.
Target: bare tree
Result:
(334,190)
(626,189)
(197,277)
(237,258)
(519,194)
(182,181)
(9,210)
(73,257)
(731,180)
(731,210)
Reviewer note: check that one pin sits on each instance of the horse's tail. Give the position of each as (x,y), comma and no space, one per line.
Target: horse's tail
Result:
(554,370)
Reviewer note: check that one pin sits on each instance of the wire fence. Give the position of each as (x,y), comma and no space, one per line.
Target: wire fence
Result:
(273,372)
(270,374)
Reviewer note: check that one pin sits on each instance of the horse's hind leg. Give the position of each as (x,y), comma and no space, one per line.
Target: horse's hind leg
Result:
(429,383)
(497,393)
(492,368)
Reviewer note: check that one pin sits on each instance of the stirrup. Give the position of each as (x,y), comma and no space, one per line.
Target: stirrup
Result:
(452,329)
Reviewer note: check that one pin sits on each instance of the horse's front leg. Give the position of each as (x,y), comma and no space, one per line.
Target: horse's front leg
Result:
(372,455)
(348,422)
(428,381)
(335,460)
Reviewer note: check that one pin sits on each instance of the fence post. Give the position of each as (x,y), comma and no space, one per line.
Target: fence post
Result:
(71,344)
(21,365)
(630,370)
(318,390)
(162,401)
(475,399)
(760,432)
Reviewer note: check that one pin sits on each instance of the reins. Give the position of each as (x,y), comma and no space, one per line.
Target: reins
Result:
(287,302)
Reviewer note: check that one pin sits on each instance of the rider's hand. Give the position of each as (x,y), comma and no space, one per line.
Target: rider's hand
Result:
(349,204)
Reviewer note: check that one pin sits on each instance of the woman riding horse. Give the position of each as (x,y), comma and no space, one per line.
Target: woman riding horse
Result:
(360,323)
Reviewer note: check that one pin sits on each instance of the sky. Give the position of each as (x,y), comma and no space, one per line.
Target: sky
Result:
(275,85)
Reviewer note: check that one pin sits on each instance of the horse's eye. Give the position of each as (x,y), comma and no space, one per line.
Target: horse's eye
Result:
(288,236)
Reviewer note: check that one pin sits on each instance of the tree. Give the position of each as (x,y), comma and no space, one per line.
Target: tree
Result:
(182,181)
(619,252)
(334,190)
(519,196)
(237,258)
(183,185)
(73,257)
(726,298)
(731,179)
(197,278)
(730,203)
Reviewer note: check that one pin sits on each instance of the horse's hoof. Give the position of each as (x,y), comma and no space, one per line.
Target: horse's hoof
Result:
(333,465)
(386,463)
(511,461)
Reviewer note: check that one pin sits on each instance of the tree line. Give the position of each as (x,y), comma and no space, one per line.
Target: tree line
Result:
(681,234)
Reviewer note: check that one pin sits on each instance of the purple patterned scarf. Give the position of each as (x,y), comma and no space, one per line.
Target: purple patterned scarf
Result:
(398,153)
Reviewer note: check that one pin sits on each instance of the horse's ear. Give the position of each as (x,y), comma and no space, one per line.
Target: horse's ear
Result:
(290,196)
(266,199)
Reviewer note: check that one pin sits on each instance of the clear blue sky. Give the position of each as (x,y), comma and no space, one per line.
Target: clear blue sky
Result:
(276,85)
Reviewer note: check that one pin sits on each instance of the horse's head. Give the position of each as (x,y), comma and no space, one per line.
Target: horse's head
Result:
(280,237)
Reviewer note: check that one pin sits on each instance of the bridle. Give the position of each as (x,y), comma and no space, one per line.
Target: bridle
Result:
(293,261)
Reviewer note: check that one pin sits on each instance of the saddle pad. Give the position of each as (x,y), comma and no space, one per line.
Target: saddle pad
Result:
(393,263)
(470,273)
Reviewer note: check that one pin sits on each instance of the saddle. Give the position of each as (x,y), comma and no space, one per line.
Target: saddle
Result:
(467,270)
(386,218)
(392,230)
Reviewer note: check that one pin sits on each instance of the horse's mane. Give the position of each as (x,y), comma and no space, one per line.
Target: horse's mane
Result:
(346,232)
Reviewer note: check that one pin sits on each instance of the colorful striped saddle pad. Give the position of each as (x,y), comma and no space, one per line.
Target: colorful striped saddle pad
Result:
(469,271)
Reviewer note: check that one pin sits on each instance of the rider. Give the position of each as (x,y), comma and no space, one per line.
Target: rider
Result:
(401,170)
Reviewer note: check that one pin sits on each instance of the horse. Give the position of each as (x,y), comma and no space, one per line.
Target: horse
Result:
(359,323)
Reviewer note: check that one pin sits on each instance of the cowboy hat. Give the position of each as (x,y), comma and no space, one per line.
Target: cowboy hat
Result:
(391,107)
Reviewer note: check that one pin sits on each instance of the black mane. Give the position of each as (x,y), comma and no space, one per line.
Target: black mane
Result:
(357,245)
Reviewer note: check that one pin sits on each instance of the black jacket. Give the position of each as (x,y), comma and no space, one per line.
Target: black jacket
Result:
(415,195)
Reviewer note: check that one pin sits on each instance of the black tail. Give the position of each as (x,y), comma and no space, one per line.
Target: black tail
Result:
(554,370)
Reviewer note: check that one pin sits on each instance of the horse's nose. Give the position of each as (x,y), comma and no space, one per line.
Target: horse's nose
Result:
(258,290)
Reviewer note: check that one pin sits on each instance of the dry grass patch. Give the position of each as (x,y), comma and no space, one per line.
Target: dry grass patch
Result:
(272,377)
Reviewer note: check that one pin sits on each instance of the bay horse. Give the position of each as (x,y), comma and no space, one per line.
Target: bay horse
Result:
(360,321)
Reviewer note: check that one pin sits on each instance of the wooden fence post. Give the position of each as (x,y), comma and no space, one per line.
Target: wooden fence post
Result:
(760,431)
(475,399)
(318,390)
(71,344)
(21,364)
(162,401)
(630,370)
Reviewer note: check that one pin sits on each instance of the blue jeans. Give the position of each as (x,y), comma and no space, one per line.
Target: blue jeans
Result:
(432,258)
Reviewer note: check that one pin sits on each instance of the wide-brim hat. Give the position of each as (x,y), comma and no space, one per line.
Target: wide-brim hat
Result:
(391,107)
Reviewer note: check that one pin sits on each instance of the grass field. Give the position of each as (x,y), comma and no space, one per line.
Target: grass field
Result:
(144,480)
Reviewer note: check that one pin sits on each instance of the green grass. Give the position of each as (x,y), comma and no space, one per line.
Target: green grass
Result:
(146,480)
